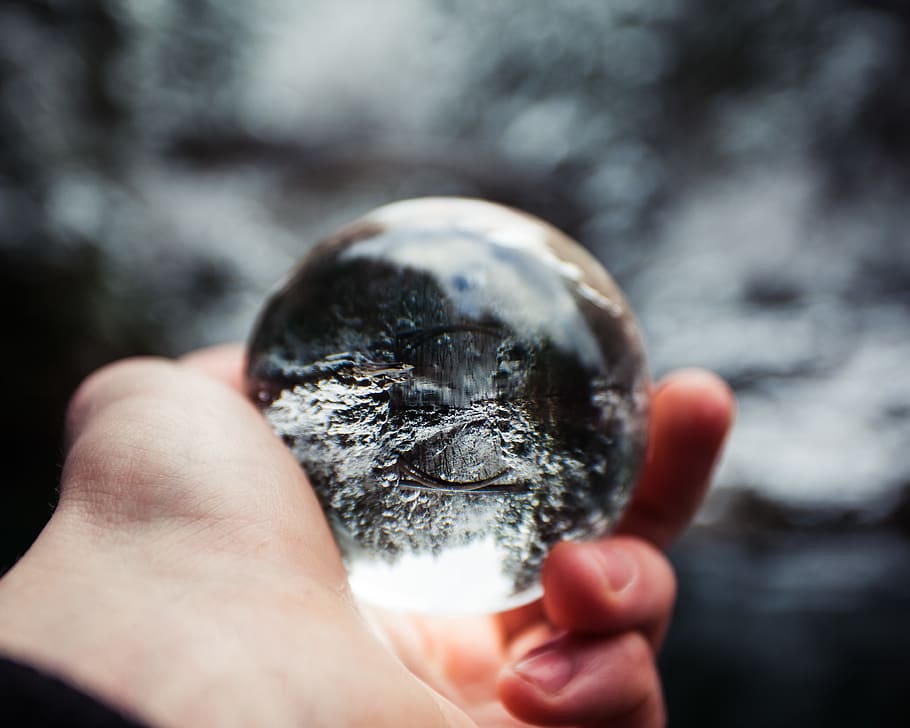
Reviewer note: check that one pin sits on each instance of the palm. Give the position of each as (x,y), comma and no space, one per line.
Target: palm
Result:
(460,658)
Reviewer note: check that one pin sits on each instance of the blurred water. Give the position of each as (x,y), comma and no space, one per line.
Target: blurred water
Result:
(238,135)
(742,170)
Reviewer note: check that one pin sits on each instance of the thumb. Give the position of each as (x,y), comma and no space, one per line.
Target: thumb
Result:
(156,443)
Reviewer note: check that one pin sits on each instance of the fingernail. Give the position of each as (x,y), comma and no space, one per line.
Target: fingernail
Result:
(617,566)
(549,669)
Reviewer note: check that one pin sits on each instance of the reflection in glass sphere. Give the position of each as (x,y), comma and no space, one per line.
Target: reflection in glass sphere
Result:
(464,386)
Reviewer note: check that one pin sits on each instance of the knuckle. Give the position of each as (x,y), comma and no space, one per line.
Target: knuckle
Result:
(658,577)
(107,384)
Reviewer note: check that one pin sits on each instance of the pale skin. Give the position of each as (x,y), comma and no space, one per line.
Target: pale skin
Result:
(188,577)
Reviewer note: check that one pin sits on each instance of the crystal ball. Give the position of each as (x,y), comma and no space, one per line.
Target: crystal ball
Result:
(465,386)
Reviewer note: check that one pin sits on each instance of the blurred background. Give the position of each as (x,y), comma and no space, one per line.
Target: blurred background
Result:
(743,169)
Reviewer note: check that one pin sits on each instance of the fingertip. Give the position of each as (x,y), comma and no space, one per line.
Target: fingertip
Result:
(224,362)
(696,402)
(585,681)
(609,586)
(574,583)
(691,414)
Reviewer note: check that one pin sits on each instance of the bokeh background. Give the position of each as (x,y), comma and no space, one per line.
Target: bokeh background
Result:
(742,168)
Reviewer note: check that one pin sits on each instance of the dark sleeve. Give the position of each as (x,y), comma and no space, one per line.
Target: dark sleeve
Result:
(29,697)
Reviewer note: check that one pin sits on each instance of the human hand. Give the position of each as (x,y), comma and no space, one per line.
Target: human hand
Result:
(188,576)
(585,654)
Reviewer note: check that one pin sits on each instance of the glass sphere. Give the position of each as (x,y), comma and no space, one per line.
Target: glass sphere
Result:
(464,386)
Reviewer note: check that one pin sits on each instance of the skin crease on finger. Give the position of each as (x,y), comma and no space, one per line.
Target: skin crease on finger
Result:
(197,576)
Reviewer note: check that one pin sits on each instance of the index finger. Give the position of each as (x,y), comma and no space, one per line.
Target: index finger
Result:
(224,362)
(691,413)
